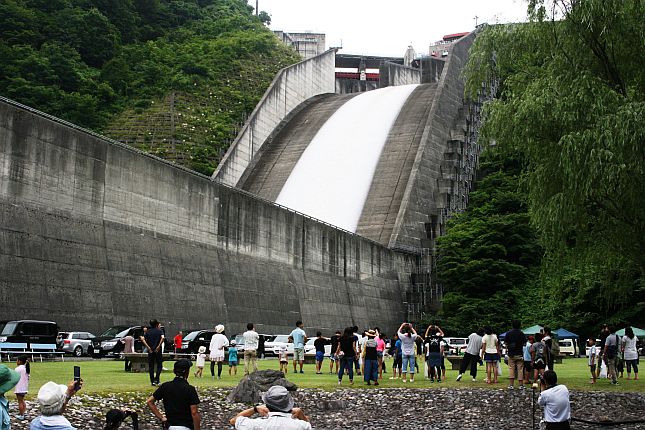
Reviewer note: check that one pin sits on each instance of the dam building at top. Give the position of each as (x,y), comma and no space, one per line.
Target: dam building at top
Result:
(325,208)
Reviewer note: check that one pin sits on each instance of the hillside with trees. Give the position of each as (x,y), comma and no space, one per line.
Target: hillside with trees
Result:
(172,77)
(571,100)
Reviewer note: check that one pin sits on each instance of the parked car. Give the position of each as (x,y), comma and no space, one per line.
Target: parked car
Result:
(274,345)
(193,340)
(109,343)
(456,345)
(29,331)
(77,343)
(567,347)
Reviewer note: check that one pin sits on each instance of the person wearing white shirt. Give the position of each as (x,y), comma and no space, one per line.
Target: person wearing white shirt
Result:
(630,352)
(277,413)
(592,350)
(555,401)
(218,343)
(251,342)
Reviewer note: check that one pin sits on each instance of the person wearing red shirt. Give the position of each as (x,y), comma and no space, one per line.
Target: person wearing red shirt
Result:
(178,339)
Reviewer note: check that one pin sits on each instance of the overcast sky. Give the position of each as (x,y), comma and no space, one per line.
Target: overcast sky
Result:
(387,27)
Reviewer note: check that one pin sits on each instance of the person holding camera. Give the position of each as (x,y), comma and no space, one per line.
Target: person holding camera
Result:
(180,401)
(52,399)
(278,413)
(554,399)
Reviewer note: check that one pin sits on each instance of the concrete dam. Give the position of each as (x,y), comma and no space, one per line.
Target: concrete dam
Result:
(95,233)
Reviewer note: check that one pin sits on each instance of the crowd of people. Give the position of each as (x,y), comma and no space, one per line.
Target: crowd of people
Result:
(530,360)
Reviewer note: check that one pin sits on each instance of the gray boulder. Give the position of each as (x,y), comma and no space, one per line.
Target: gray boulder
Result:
(251,387)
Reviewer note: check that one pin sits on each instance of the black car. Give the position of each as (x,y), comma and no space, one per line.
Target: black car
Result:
(109,343)
(28,331)
(193,340)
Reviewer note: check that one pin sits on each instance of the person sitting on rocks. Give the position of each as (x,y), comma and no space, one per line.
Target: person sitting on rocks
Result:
(115,417)
(555,401)
(277,413)
(53,399)
(180,400)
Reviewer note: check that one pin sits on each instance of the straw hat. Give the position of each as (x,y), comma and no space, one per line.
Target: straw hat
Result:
(219,328)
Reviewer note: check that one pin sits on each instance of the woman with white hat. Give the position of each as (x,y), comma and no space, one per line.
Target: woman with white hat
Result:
(218,343)
(8,379)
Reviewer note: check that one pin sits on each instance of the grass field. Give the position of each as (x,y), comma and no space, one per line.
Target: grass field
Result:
(105,376)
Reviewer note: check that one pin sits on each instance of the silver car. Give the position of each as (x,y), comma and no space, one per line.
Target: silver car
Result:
(77,343)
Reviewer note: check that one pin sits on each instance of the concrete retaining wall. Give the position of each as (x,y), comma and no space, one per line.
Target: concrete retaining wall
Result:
(391,74)
(291,86)
(94,233)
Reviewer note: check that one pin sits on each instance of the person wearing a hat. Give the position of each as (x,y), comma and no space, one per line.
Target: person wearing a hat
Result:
(201,361)
(52,399)
(218,343)
(8,379)
(278,413)
(180,400)
(370,369)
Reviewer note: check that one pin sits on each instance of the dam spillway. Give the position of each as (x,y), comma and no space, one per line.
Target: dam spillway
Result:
(332,178)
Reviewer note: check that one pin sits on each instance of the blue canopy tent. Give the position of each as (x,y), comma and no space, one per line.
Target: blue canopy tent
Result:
(562,333)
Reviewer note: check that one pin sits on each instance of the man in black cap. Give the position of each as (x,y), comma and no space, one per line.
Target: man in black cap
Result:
(180,400)
(278,413)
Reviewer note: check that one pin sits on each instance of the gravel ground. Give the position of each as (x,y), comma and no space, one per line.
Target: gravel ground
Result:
(377,408)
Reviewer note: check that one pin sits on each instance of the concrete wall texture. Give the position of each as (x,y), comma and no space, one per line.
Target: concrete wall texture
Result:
(391,74)
(423,197)
(94,233)
(292,86)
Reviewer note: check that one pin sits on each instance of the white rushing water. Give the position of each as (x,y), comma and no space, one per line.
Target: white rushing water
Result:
(334,174)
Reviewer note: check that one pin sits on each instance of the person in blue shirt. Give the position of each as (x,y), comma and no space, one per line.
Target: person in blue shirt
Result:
(232,359)
(299,339)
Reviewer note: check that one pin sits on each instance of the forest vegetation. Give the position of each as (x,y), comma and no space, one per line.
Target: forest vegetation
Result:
(555,233)
(172,77)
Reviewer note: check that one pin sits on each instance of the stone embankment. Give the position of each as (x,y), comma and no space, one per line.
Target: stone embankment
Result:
(377,408)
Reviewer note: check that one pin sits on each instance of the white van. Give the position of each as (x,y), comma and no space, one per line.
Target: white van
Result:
(567,347)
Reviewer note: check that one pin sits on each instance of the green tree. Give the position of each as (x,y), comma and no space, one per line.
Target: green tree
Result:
(490,254)
(572,97)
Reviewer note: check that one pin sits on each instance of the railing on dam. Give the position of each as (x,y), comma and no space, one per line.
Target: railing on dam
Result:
(291,86)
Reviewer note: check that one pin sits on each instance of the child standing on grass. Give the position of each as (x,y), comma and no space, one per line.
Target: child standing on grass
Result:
(232,359)
(284,359)
(593,352)
(22,388)
(201,361)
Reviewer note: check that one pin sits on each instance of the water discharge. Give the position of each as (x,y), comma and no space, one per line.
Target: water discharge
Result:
(333,176)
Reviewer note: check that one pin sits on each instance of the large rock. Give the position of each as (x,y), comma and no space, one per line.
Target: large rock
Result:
(251,387)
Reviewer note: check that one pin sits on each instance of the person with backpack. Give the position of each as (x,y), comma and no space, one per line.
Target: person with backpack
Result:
(611,356)
(538,356)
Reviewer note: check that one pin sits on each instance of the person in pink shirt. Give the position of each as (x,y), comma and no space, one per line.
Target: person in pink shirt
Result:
(380,348)
(23,385)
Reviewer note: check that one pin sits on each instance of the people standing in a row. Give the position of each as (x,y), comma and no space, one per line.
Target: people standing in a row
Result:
(471,356)
(153,340)
(434,347)
(251,343)
(219,341)
(299,339)
(347,353)
(407,335)
(515,340)
(491,354)
(630,352)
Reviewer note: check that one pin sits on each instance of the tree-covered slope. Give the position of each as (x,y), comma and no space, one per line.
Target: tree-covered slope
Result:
(171,77)
(572,100)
